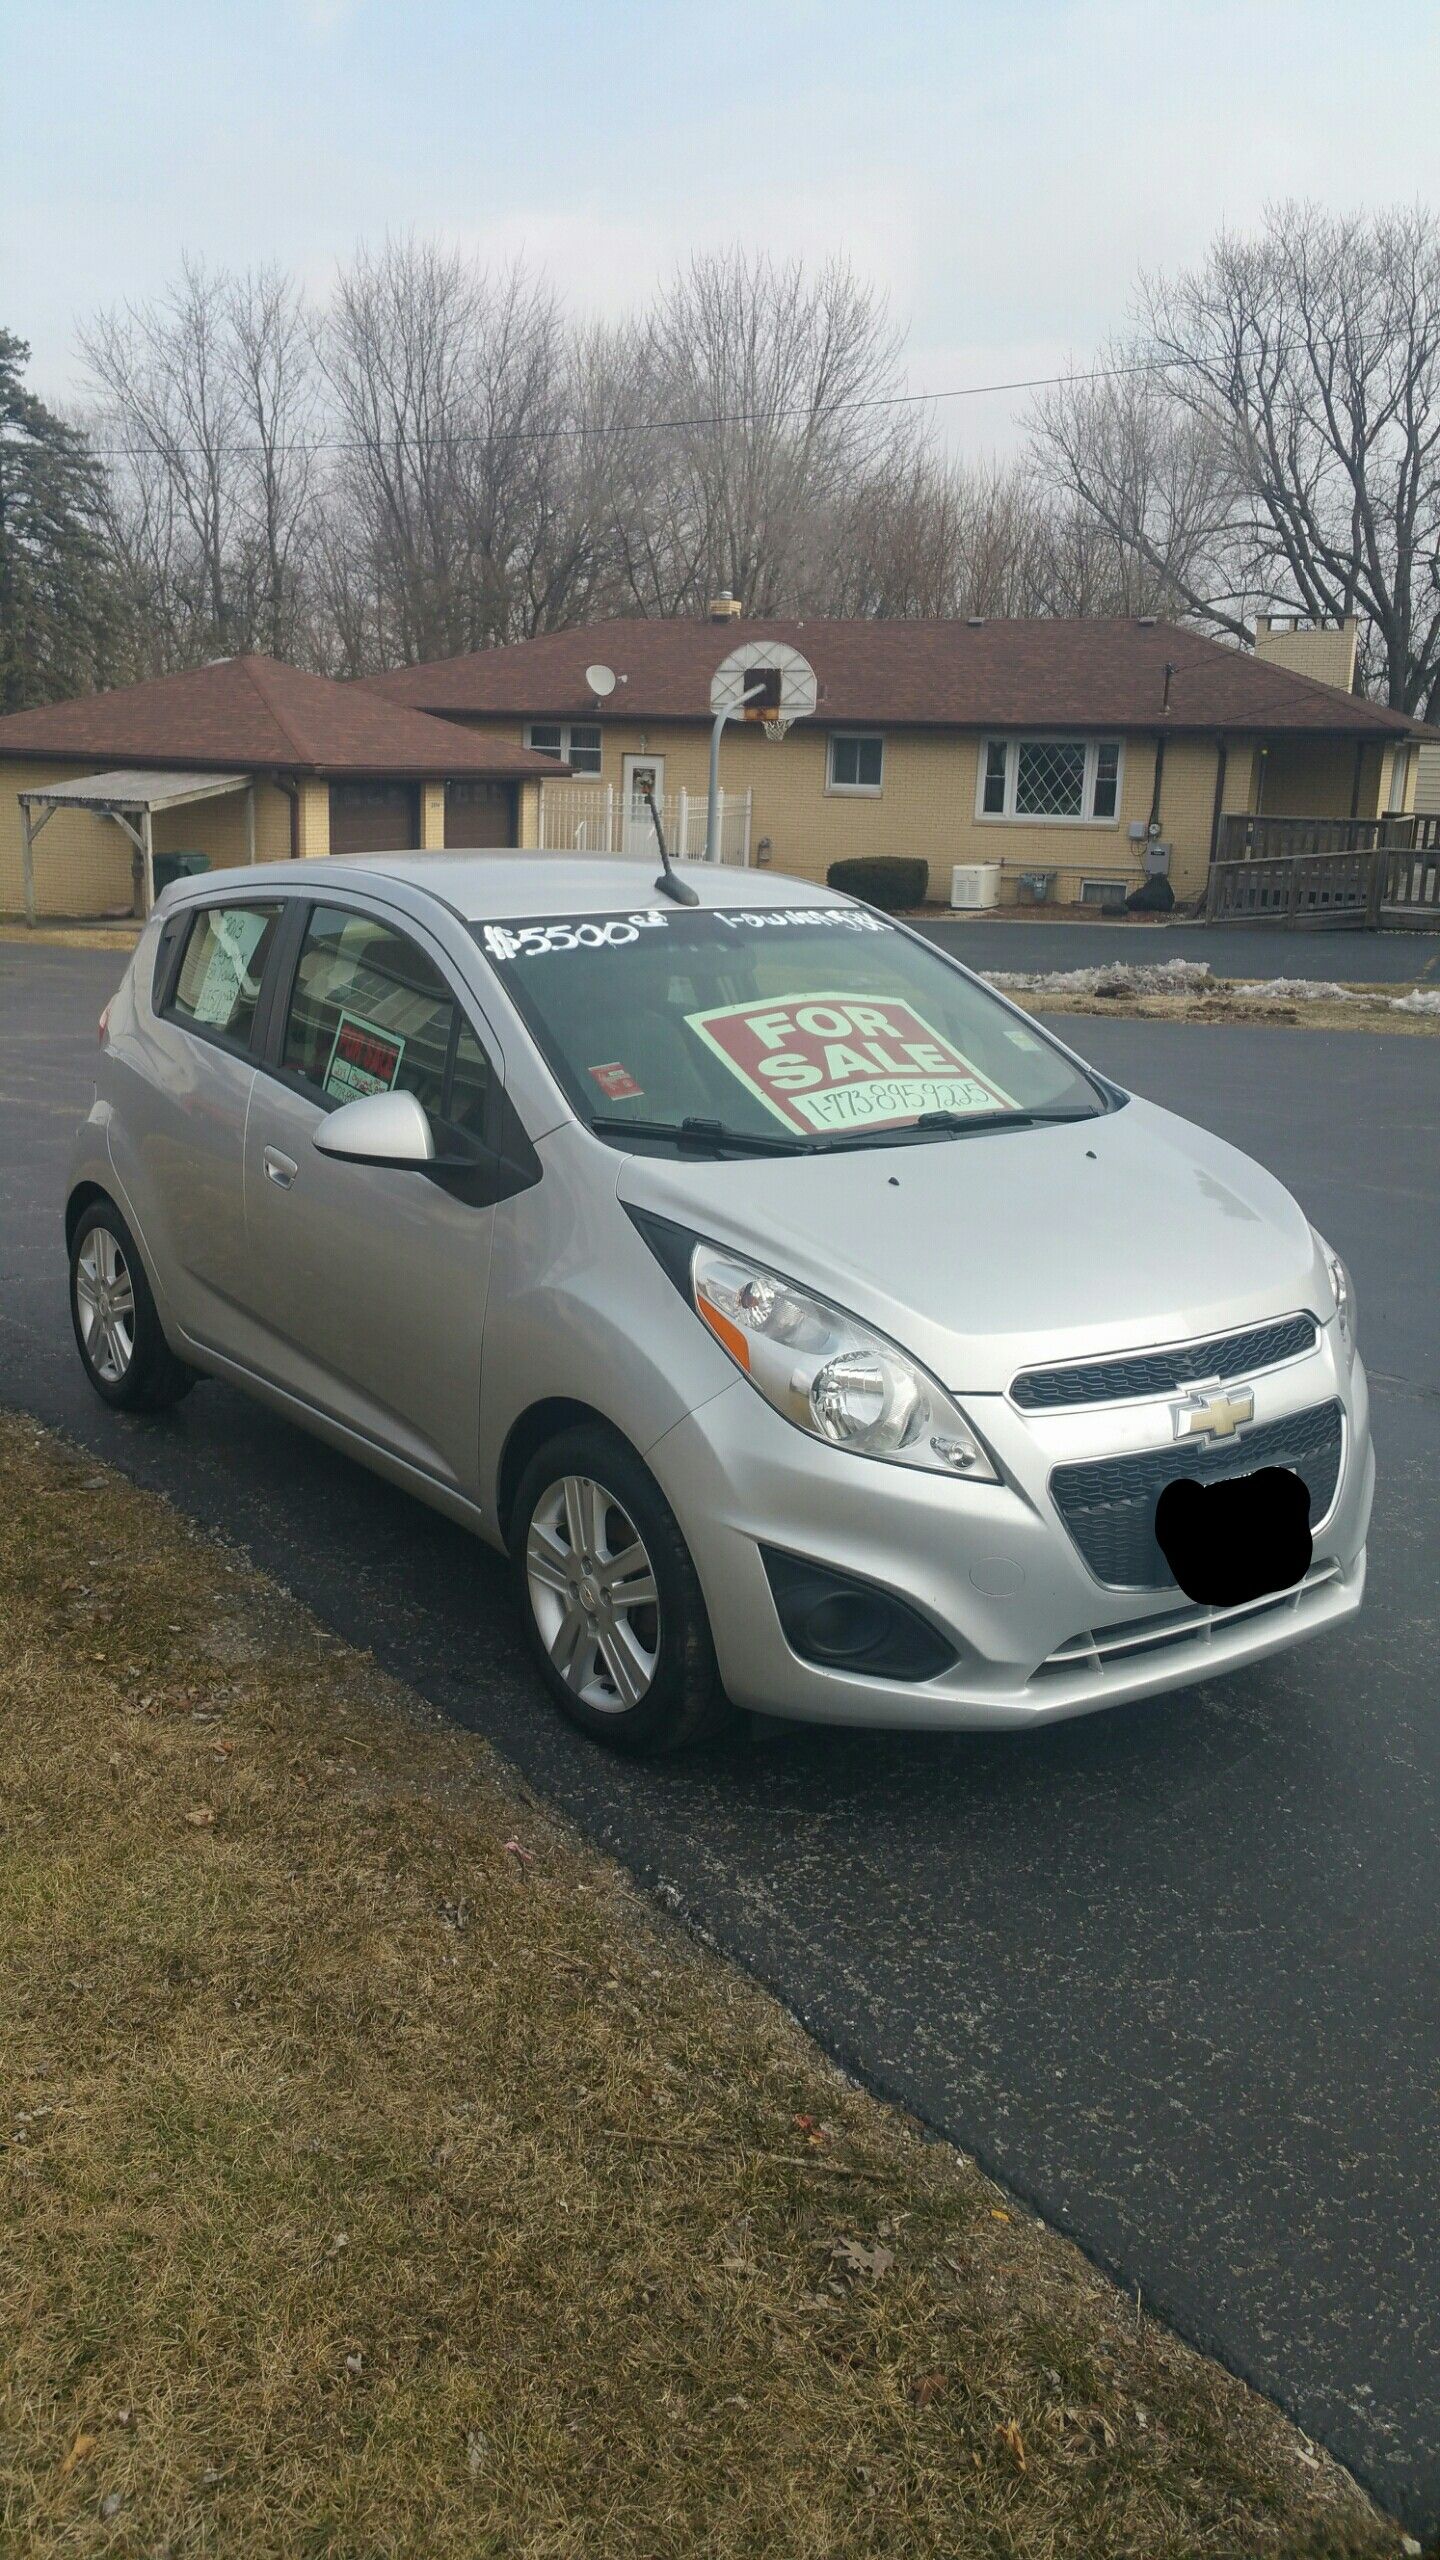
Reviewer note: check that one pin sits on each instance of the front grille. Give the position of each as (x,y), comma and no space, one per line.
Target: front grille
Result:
(1154,1373)
(1108,1504)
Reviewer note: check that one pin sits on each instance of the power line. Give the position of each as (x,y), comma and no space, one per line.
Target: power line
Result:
(578,431)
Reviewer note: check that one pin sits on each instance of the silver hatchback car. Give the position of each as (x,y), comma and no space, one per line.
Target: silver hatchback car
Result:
(814,1331)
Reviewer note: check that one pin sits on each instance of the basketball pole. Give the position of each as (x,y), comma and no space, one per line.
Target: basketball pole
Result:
(752,693)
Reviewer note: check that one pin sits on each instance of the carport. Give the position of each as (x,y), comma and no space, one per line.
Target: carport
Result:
(131,798)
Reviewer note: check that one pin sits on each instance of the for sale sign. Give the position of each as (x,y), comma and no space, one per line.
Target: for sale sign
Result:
(835,1062)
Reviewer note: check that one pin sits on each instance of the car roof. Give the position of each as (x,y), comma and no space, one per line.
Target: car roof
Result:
(492,887)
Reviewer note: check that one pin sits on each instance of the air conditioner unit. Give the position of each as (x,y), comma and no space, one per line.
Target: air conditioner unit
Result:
(975,884)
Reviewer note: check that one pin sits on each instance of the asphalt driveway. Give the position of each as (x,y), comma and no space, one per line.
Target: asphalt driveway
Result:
(1171,1972)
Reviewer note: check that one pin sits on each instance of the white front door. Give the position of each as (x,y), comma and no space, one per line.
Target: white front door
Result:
(639,776)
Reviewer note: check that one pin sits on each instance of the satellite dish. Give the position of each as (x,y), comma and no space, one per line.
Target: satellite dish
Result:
(601,680)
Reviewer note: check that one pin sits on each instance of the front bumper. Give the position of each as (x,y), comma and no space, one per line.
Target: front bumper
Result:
(993,1567)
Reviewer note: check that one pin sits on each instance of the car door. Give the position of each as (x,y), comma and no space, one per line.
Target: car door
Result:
(367,1285)
(179,1133)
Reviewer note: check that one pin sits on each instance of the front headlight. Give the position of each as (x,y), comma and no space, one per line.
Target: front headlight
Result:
(828,1374)
(1344,1290)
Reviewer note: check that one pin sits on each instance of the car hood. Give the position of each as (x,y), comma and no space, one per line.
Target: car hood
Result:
(983,1254)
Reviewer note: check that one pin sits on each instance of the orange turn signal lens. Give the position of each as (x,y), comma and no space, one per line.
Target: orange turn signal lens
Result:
(735,1340)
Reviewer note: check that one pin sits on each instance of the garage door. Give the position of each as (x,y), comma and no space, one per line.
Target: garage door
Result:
(374,817)
(479,813)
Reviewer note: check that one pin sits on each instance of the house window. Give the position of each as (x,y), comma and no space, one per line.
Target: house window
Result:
(572,742)
(1052,781)
(856,763)
(1399,778)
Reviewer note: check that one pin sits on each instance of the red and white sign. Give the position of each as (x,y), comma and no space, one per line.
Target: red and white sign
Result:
(833,1062)
(617,1082)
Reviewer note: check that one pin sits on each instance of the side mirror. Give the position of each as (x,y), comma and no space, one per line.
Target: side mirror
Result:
(381,1128)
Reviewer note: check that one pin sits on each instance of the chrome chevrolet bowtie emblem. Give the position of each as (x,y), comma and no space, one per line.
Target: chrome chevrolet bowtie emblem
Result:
(1213,1416)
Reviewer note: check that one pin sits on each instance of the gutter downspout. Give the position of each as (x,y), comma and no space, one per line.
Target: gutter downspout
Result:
(1222,754)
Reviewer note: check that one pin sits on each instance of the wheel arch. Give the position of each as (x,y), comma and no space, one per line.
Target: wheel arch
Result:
(81,1198)
(529,1431)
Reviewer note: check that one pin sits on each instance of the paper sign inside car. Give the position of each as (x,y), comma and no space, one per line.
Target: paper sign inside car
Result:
(832,1062)
(363,1059)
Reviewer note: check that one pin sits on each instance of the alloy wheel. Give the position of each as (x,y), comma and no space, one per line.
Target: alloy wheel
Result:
(105,1302)
(593,1594)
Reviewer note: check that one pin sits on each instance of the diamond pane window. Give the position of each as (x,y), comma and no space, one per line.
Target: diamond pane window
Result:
(1062,781)
(1107,779)
(1050,778)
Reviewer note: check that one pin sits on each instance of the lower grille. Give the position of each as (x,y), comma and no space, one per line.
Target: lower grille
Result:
(1108,1504)
(1099,1649)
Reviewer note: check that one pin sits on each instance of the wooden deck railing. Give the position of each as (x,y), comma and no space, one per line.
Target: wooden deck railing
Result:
(1328,889)
(1246,839)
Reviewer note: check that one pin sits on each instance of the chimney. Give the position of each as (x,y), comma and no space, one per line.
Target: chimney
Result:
(724,607)
(1324,651)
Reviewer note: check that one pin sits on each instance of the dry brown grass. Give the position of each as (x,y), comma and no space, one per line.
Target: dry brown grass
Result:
(74,937)
(380,2176)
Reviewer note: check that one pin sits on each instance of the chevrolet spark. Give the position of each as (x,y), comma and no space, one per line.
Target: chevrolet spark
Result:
(813,1331)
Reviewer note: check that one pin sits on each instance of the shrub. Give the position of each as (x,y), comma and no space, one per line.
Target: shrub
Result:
(889,880)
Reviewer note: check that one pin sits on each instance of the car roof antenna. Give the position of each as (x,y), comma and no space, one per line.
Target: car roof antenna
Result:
(669,884)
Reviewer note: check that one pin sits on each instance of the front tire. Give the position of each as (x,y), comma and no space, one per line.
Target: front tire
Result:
(611,1599)
(117,1329)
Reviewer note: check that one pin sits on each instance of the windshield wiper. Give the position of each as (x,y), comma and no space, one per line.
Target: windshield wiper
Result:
(704,1133)
(953,1124)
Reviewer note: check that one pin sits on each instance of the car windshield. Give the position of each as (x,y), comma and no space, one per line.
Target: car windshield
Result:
(785,1027)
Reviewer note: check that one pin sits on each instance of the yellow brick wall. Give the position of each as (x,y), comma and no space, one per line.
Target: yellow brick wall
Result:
(312,831)
(432,816)
(83,862)
(927,804)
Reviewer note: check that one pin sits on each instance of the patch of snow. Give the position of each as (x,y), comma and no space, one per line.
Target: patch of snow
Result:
(1117,978)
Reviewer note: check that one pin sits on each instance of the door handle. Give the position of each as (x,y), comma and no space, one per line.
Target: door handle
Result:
(279,1169)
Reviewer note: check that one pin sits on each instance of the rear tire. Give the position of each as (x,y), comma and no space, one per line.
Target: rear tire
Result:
(117,1331)
(611,1599)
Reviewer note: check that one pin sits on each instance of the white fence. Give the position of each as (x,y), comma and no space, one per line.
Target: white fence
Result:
(593,817)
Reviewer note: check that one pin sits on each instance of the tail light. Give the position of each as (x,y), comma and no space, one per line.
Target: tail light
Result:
(104,1024)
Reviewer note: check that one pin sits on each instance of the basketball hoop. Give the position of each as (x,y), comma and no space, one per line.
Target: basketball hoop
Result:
(775,730)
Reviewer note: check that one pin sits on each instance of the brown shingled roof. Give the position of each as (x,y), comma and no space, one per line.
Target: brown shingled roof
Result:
(256,715)
(1090,674)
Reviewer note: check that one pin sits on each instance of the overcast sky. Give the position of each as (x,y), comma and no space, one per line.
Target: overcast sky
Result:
(1002,171)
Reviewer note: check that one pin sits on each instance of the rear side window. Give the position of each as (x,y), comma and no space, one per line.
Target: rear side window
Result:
(218,986)
(371,1013)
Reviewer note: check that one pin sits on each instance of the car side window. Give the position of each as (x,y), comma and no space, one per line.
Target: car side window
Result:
(371,1013)
(218,986)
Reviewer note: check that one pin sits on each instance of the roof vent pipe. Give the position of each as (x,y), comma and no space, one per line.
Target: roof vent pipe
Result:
(725,607)
(975,621)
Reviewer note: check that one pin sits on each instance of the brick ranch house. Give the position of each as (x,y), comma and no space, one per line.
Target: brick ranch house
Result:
(1045,746)
(243,760)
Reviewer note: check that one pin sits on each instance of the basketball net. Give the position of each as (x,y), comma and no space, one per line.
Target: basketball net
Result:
(775,730)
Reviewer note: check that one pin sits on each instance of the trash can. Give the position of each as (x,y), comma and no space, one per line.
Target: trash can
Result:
(1035,887)
(170,867)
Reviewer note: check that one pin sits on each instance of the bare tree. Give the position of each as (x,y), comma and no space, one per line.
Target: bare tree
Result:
(758,385)
(1283,445)
(1148,514)
(270,357)
(208,407)
(450,391)
(172,408)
